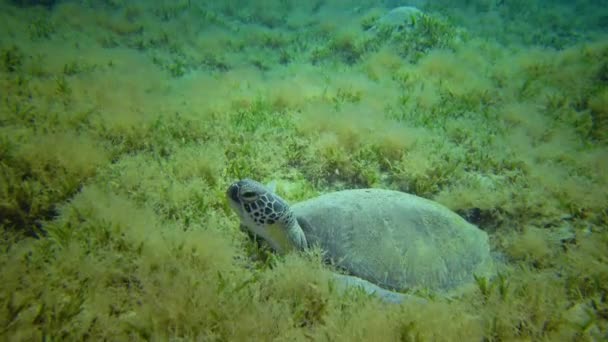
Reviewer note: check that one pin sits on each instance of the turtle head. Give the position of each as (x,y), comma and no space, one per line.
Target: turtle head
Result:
(264,213)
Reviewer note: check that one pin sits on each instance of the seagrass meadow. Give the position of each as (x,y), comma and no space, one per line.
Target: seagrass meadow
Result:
(122,123)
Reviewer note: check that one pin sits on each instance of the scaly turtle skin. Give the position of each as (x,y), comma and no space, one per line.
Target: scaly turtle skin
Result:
(392,239)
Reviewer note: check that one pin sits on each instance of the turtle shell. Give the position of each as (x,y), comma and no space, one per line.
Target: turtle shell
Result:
(398,19)
(395,240)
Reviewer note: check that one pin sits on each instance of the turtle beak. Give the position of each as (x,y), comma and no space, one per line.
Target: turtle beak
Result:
(233,193)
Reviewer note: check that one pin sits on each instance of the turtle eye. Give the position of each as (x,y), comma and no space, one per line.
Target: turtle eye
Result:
(249,195)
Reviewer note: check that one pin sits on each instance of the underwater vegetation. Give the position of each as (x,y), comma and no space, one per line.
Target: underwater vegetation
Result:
(47,3)
(123,122)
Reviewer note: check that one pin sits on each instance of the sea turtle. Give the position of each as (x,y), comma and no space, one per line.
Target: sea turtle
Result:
(397,20)
(386,240)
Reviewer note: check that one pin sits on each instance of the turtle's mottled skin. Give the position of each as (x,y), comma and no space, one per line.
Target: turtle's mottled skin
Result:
(392,239)
(267,215)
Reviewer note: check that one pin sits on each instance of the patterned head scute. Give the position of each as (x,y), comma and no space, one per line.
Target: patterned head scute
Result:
(258,204)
